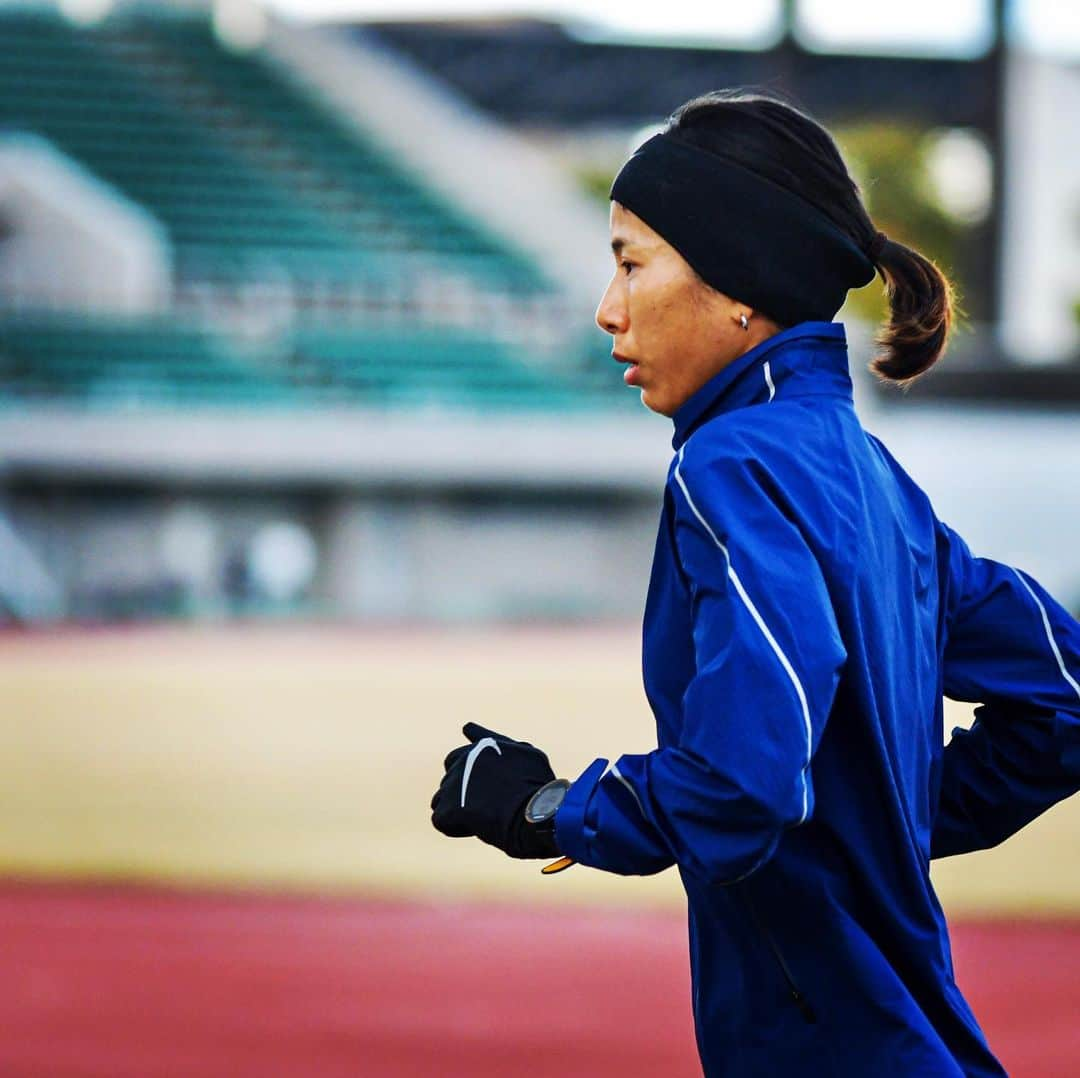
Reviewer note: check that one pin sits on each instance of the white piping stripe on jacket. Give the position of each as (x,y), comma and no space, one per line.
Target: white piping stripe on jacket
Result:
(614,770)
(768,380)
(788,669)
(1050,636)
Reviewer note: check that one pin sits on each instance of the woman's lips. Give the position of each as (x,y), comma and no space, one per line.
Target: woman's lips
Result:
(630,375)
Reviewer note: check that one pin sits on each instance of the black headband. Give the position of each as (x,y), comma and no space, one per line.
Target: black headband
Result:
(744,235)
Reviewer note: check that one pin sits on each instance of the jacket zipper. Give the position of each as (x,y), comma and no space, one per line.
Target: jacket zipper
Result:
(797,997)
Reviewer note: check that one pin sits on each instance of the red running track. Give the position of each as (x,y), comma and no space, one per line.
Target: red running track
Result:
(135,983)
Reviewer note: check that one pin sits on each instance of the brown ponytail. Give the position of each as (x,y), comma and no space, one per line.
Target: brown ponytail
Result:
(920,313)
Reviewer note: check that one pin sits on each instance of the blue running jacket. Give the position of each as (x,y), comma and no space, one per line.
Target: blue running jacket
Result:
(806,613)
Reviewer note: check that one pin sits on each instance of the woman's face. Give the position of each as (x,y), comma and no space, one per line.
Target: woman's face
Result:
(673,331)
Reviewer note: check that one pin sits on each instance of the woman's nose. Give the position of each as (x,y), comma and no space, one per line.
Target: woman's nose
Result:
(611,314)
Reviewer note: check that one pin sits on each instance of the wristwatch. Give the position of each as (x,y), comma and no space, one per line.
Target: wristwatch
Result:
(542,806)
(540,813)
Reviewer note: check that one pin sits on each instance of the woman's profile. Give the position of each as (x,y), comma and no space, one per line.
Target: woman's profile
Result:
(807,612)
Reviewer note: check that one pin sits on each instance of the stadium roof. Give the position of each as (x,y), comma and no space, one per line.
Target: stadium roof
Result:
(534,72)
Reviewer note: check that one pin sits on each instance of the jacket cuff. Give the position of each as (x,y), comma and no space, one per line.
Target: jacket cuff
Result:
(573,835)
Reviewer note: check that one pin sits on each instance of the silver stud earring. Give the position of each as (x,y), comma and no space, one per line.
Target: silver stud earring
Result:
(744,321)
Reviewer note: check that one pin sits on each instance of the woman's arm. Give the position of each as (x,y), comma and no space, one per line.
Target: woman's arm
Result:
(1011,647)
(768,658)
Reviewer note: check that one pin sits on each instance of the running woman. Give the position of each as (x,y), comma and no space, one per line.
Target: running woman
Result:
(807,612)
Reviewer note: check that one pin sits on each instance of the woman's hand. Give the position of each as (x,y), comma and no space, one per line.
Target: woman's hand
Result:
(485,789)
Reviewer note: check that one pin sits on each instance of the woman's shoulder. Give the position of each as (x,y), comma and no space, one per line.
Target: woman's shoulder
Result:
(759,437)
(811,460)
(733,461)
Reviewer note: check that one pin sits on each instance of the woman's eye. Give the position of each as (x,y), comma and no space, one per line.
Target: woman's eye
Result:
(627,266)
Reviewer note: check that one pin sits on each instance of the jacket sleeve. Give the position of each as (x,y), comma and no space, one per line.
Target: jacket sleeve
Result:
(768,657)
(1013,649)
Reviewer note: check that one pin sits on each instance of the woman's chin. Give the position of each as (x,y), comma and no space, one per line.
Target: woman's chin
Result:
(655,402)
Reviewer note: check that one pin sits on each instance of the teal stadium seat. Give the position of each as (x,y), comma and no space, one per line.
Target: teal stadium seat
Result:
(105,363)
(162,363)
(398,369)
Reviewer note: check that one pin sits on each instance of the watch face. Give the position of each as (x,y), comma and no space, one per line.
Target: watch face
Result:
(546,800)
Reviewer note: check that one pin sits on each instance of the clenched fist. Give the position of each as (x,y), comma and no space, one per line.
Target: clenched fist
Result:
(485,789)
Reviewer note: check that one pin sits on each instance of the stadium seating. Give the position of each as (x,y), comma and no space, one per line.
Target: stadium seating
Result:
(256,181)
(245,170)
(68,87)
(369,197)
(108,363)
(401,368)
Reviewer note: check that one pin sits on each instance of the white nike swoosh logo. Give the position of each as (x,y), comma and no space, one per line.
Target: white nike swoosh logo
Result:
(483,743)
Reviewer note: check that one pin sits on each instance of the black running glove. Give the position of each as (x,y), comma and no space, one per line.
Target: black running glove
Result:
(485,789)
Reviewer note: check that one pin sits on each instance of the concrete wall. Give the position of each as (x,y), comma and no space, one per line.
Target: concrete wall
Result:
(70,240)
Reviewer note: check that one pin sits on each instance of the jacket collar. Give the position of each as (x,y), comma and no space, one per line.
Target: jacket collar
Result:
(809,359)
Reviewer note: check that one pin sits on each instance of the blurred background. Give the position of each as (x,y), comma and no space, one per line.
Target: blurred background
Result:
(310,452)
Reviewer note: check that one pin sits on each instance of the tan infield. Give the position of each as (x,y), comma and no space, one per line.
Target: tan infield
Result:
(306,758)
